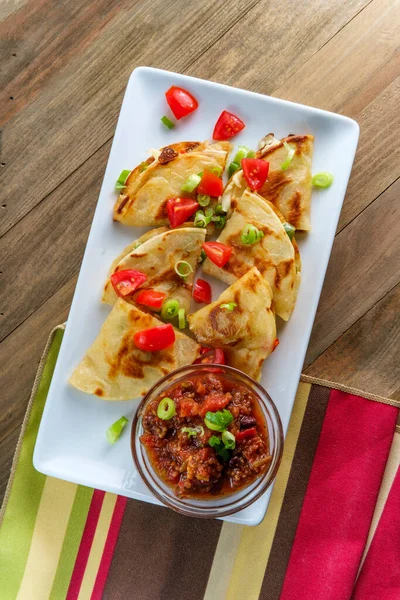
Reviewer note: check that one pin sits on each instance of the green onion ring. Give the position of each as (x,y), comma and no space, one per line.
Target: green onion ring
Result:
(322,180)
(203,199)
(167,122)
(290,230)
(183,268)
(251,235)
(191,183)
(229,440)
(166,409)
(169,309)
(290,153)
(181,318)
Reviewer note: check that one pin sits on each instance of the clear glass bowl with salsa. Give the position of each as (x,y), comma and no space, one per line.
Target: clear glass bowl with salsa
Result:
(207,440)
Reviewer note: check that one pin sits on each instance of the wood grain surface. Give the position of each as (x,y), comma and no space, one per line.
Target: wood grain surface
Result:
(63,70)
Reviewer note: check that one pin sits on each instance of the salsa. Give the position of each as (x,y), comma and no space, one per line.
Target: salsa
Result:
(206,436)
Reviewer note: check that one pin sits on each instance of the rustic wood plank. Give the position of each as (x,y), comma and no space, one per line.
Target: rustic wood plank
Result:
(339,77)
(272,41)
(364,266)
(44,250)
(37,48)
(366,356)
(20,355)
(76,111)
(7,450)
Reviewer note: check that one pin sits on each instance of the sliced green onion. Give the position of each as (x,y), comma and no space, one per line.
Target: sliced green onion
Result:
(219,221)
(251,235)
(114,431)
(183,268)
(251,154)
(290,230)
(203,199)
(169,309)
(143,166)
(203,256)
(181,318)
(216,170)
(122,179)
(290,153)
(219,210)
(229,306)
(191,183)
(167,122)
(166,409)
(202,219)
(229,440)
(191,431)
(233,167)
(322,180)
(241,153)
(218,421)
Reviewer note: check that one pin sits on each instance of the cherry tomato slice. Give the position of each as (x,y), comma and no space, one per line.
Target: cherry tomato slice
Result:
(180,101)
(210,185)
(211,357)
(151,298)
(127,281)
(202,292)
(155,339)
(180,209)
(245,434)
(255,171)
(227,126)
(218,253)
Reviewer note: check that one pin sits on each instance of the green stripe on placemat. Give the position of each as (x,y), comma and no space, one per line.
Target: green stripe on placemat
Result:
(72,540)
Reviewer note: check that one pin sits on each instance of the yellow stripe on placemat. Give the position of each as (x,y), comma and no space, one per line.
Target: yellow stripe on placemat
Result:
(224,559)
(96,551)
(256,542)
(48,536)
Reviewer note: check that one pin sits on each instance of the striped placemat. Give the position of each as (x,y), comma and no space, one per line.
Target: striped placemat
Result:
(330,499)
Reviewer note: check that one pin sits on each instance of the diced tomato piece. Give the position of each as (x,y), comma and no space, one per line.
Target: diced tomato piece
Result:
(227,126)
(152,441)
(218,253)
(188,408)
(246,434)
(155,339)
(276,343)
(255,171)
(180,209)
(202,291)
(151,298)
(210,185)
(127,281)
(210,357)
(214,402)
(180,101)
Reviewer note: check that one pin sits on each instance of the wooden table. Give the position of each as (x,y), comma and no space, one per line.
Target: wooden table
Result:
(64,68)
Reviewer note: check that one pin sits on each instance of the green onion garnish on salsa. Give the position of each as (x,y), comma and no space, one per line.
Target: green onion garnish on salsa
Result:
(166,409)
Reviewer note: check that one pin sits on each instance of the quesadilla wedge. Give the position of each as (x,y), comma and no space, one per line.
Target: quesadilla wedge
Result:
(115,369)
(274,254)
(150,185)
(288,189)
(241,322)
(157,258)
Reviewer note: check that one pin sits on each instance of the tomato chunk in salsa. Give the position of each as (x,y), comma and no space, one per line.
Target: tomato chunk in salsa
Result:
(214,443)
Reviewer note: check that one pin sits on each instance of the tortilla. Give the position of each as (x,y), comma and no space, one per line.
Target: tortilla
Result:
(142,201)
(156,257)
(114,369)
(289,190)
(247,333)
(274,255)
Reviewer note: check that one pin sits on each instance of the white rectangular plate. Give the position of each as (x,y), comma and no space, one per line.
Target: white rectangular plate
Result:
(71,443)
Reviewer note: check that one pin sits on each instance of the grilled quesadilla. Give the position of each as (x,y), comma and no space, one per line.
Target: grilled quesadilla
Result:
(115,369)
(150,185)
(273,254)
(241,322)
(157,254)
(289,189)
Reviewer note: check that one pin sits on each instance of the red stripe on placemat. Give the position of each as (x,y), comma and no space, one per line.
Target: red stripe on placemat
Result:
(109,547)
(340,499)
(85,545)
(380,573)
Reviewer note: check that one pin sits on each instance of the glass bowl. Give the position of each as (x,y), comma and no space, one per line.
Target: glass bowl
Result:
(229,503)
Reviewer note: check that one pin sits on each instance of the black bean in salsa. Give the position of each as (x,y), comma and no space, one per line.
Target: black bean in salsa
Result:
(215,443)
